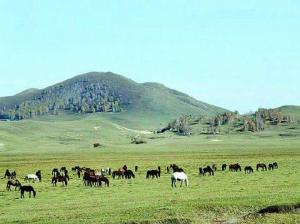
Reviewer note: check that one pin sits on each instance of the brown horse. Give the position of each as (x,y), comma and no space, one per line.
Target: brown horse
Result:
(118,173)
(14,183)
(235,167)
(262,166)
(60,178)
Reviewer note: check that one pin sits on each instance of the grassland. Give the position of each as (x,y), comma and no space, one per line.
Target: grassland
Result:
(49,142)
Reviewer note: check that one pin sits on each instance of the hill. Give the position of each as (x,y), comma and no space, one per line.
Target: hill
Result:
(103,92)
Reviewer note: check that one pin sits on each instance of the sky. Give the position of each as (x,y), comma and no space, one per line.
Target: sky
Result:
(240,55)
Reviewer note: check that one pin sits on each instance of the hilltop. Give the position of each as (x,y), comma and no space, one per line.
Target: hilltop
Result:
(103,92)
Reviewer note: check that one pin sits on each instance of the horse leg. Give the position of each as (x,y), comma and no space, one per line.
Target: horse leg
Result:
(29,194)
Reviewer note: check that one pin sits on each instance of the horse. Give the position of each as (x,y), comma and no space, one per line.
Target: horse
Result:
(271,166)
(59,178)
(224,167)
(39,175)
(14,183)
(248,169)
(124,168)
(179,176)
(29,189)
(108,170)
(103,179)
(208,169)
(235,167)
(262,166)
(176,168)
(55,172)
(275,165)
(214,167)
(153,173)
(128,174)
(119,173)
(10,175)
(32,177)
(136,169)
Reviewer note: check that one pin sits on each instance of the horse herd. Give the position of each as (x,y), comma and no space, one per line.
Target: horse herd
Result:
(94,177)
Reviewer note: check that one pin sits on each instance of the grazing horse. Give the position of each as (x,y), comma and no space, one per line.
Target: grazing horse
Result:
(59,178)
(235,167)
(103,179)
(32,177)
(262,166)
(208,169)
(14,183)
(128,174)
(153,173)
(136,169)
(10,175)
(119,173)
(224,167)
(271,166)
(179,176)
(29,189)
(275,165)
(248,169)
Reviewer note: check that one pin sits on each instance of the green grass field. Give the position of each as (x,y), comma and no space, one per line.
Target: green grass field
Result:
(228,197)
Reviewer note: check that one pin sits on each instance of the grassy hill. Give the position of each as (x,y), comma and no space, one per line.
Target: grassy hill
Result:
(104,92)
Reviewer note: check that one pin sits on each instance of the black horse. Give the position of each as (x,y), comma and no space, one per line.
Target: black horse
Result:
(275,165)
(104,180)
(208,169)
(248,169)
(224,167)
(39,175)
(136,169)
(176,168)
(14,183)
(55,172)
(271,166)
(128,174)
(153,173)
(29,189)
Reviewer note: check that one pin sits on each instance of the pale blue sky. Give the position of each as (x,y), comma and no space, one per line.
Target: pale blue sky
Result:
(235,54)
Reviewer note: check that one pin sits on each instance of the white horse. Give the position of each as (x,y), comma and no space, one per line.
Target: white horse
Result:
(32,177)
(180,176)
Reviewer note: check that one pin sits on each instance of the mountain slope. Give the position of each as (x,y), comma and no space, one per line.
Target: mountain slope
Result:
(103,92)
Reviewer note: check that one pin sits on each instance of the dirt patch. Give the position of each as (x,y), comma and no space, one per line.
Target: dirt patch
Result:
(164,221)
(280,209)
(144,132)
